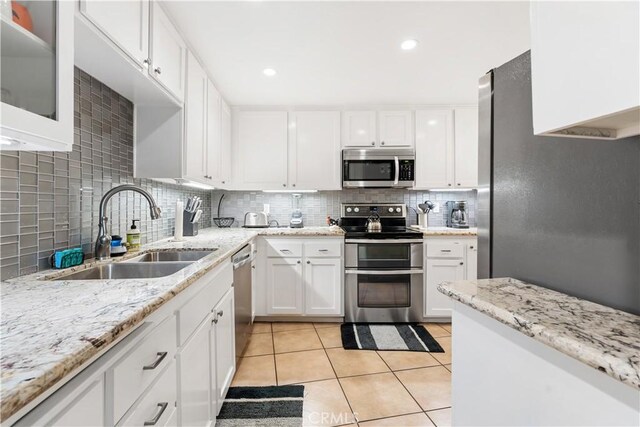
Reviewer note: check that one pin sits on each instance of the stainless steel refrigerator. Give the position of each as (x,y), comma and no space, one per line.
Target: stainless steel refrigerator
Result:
(563,213)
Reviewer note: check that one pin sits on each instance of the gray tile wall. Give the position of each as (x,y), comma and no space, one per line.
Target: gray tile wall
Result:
(317,206)
(49,201)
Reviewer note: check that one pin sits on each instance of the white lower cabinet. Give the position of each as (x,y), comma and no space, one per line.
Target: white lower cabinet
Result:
(322,280)
(284,286)
(194,360)
(447,259)
(158,405)
(86,410)
(301,276)
(223,346)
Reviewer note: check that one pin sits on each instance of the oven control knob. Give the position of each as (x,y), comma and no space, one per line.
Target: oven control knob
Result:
(356,210)
(390,210)
(348,209)
(398,210)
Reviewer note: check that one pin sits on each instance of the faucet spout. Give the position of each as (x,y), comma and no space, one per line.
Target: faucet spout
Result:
(103,241)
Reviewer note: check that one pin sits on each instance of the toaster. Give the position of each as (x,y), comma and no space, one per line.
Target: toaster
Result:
(256,220)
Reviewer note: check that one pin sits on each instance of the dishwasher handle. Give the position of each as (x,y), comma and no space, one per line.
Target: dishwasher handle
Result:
(244,256)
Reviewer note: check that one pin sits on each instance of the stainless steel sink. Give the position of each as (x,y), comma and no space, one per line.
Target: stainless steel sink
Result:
(122,270)
(171,256)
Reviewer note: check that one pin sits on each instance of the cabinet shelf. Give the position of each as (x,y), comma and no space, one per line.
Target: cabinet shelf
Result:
(17,42)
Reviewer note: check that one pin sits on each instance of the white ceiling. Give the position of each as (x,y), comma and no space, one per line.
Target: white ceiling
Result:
(331,53)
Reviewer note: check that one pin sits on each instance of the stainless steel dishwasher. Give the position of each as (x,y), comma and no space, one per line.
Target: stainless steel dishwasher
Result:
(242,292)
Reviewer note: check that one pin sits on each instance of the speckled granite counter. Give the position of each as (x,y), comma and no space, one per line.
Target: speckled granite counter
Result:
(599,336)
(49,328)
(446,231)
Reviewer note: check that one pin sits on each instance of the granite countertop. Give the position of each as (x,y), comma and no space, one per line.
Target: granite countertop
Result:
(49,328)
(599,336)
(446,231)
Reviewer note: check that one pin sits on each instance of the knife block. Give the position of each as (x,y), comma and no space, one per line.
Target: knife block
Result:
(188,228)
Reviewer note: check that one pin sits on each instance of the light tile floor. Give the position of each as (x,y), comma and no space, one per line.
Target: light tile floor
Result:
(351,387)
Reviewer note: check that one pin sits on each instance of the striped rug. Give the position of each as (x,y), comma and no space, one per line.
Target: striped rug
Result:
(271,406)
(394,336)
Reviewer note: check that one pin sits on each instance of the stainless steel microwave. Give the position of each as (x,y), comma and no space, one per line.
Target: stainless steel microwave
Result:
(378,168)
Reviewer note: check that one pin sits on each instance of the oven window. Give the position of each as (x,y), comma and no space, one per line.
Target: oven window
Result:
(388,291)
(382,252)
(369,170)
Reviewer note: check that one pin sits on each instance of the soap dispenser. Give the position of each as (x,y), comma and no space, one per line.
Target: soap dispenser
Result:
(133,236)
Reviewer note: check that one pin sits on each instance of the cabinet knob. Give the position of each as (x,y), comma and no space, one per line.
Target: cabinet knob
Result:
(146,61)
(214,320)
(294,185)
(449,185)
(462,263)
(284,185)
(373,143)
(458,184)
(158,70)
(470,247)
(308,262)
(382,143)
(220,313)
(298,261)
(223,182)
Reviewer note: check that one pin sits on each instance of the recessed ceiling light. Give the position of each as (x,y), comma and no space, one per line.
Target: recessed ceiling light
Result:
(269,72)
(409,44)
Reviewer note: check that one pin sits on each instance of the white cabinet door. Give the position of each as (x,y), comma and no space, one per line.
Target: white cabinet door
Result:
(323,286)
(223,346)
(126,23)
(466,147)
(225,145)
(86,410)
(157,404)
(314,150)
(168,53)
(396,128)
(195,121)
(214,134)
(434,149)
(472,261)
(585,63)
(194,364)
(441,270)
(359,129)
(262,150)
(37,79)
(284,286)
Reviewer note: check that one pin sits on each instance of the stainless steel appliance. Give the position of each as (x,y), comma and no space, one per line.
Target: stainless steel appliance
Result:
(383,269)
(378,168)
(548,206)
(256,220)
(457,214)
(242,296)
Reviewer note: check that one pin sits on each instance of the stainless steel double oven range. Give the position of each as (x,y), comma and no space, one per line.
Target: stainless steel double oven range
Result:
(383,269)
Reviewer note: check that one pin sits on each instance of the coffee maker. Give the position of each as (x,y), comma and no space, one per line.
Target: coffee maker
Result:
(457,214)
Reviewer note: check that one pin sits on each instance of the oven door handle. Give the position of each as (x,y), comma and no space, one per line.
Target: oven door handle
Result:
(385,241)
(384,272)
(397,178)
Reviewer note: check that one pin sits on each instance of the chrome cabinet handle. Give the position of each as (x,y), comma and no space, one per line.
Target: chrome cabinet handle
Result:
(159,358)
(158,70)
(162,406)
(323,250)
(286,251)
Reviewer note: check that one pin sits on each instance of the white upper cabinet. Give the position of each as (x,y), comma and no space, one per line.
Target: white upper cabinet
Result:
(126,23)
(359,129)
(466,147)
(195,135)
(225,142)
(214,134)
(261,161)
(585,68)
(434,149)
(168,53)
(37,79)
(396,128)
(447,148)
(314,150)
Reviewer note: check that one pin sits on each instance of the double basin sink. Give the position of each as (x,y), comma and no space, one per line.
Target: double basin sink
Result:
(146,266)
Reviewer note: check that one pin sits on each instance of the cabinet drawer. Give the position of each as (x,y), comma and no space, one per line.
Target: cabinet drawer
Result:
(445,250)
(158,404)
(323,248)
(282,248)
(218,282)
(134,372)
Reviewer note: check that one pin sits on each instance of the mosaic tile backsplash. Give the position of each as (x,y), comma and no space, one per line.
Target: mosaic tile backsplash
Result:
(317,206)
(49,201)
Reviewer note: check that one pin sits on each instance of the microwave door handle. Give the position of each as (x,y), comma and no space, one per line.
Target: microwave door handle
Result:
(397,163)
